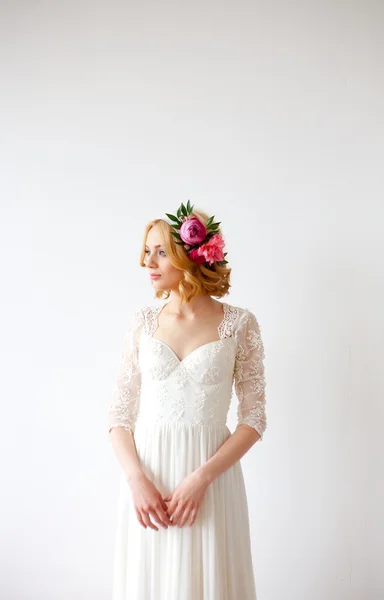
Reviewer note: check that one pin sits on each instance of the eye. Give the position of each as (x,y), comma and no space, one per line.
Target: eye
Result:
(146,252)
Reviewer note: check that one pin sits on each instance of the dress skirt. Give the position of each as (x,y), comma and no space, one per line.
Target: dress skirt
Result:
(211,560)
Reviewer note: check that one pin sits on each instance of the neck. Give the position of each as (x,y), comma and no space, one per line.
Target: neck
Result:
(198,304)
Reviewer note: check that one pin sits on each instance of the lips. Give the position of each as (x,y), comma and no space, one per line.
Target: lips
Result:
(154,276)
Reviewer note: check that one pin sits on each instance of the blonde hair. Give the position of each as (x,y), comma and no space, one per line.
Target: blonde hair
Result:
(196,279)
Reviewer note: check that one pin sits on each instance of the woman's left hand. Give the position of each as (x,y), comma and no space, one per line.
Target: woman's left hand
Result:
(186,498)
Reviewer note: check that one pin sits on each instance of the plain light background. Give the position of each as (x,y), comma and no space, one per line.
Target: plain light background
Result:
(269,116)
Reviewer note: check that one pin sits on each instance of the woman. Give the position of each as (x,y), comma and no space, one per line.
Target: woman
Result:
(183,523)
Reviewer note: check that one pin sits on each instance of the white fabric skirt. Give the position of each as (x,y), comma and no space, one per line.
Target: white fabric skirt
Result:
(210,560)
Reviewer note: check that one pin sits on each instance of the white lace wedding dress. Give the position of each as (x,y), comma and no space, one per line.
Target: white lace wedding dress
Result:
(177,410)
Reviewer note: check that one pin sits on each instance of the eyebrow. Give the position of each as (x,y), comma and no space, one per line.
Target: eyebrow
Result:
(157,246)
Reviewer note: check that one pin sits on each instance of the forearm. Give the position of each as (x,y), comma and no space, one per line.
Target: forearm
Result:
(123,443)
(242,439)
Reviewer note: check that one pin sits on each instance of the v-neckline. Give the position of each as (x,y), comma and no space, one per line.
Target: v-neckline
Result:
(182,360)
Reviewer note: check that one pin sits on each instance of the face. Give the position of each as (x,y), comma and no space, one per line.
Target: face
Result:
(158,263)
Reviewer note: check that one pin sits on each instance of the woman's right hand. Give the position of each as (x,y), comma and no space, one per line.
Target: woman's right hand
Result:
(148,501)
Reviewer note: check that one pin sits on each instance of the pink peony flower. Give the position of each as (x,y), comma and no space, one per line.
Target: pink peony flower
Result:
(213,250)
(193,231)
(196,257)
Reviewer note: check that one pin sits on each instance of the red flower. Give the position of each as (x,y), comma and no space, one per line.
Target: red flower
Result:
(213,250)
(196,257)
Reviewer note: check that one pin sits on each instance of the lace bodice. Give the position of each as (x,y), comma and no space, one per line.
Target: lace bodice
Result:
(154,385)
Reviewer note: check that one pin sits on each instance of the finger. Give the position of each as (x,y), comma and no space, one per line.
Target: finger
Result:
(171,509)
(148,521)
(160,517)
(164,518)
(185,516)
(155,516)
(140,518)
(192,517)
(178,513)
(162,511)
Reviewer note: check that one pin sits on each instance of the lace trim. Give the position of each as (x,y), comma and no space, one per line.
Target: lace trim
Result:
(225,329)
(230,316)
(150,314)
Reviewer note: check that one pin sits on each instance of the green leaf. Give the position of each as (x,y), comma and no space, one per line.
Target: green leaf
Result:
(172,217)
(184,210)
(178,212)
(210,221)
(215,225)
(176,235)
(188,207)
(177,226)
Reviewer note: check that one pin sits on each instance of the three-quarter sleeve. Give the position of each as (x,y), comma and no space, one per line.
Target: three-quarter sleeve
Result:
(249,375)
(124,403)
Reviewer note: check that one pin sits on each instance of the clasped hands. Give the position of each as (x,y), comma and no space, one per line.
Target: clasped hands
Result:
(183,503)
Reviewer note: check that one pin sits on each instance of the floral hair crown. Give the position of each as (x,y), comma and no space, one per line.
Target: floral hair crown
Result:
(202,243)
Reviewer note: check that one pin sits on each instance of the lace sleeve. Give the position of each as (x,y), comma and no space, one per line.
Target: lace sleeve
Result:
(249,374)
(124,404)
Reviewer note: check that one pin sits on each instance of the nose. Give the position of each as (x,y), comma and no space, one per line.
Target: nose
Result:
(150,261)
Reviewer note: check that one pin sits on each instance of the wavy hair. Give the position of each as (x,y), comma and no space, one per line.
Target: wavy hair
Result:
(196,279)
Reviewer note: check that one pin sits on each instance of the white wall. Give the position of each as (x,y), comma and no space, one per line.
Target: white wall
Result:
(268,115)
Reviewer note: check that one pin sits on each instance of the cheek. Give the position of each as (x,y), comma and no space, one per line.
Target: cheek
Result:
(170,270)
